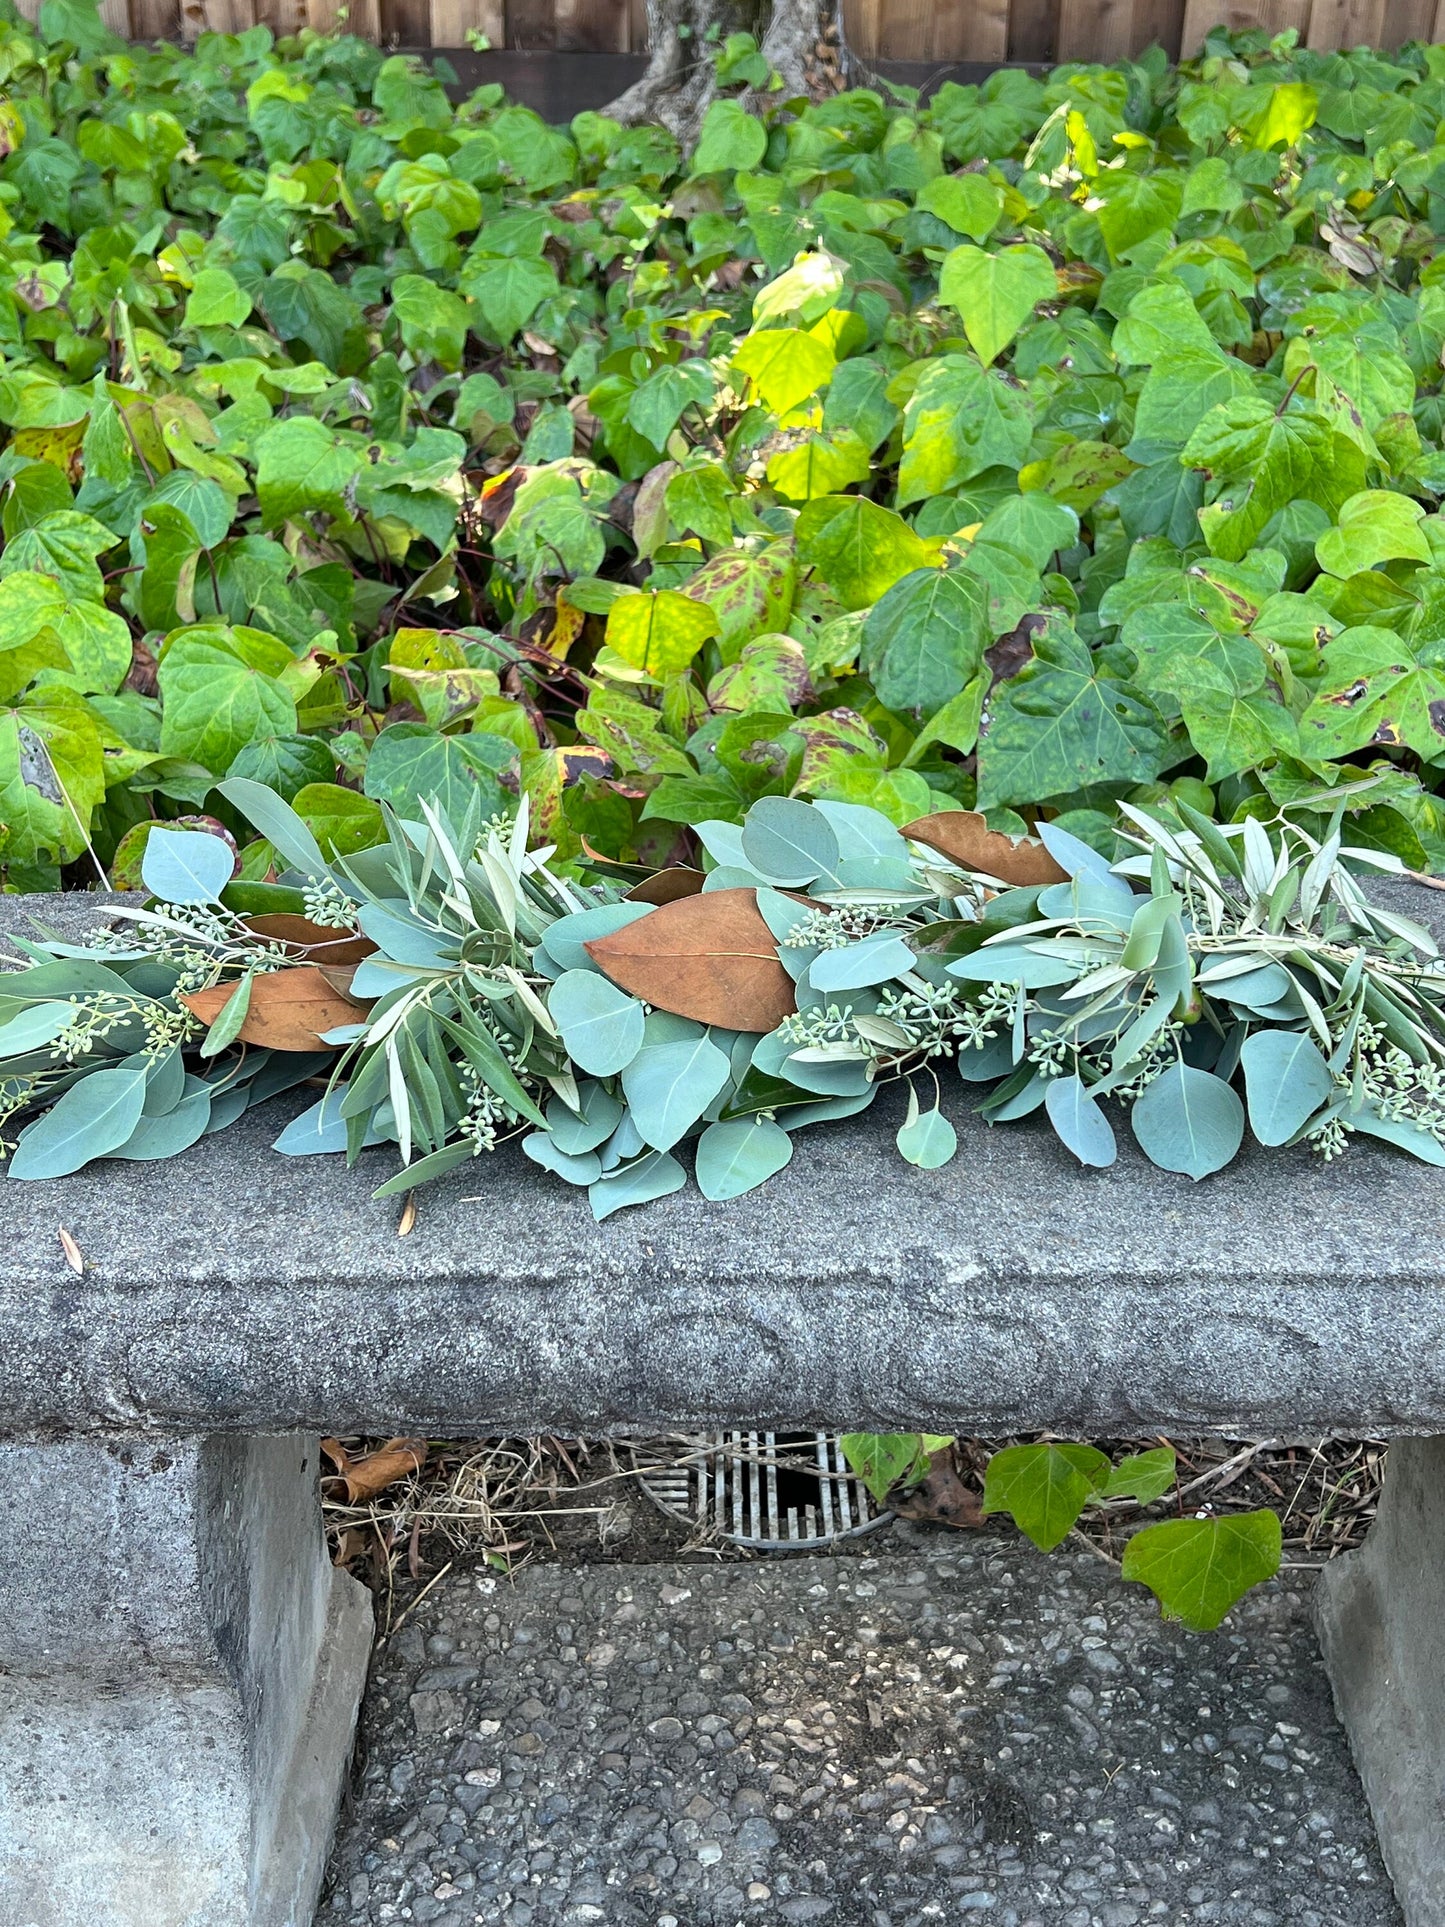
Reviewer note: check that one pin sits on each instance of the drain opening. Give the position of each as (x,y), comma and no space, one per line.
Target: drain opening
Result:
(772,1491)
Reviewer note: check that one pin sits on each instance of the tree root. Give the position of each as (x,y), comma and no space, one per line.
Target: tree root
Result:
(803,43)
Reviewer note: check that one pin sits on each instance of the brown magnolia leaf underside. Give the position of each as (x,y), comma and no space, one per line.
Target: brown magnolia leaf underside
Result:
(709,957)
(667,886)
(313,942)
(963,836)
(289,1008)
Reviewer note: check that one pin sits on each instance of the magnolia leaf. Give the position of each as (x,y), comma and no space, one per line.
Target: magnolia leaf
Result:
(289,1010)
(710,957)
(963,836)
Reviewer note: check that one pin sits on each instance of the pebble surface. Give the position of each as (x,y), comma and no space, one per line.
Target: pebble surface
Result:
(934,1735)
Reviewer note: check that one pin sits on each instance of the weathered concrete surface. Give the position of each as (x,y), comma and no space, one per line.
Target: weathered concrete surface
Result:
(179,1673)
(1383,1634)
(959,1730)
(1011,1290)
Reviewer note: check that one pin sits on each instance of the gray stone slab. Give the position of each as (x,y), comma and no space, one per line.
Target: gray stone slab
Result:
(181,1668)
(966,1730)
(234,1289)
(1379,1619)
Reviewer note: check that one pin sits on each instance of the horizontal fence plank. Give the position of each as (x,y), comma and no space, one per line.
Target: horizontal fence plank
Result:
(920,31)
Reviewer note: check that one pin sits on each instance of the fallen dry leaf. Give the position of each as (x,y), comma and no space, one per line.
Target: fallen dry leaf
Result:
(313,942)
(940,1498)
(353,1544)
(964,837)
(407,1221)
(709,957)
(289,1008)
(362,1479)
(74,1257)
(667,886)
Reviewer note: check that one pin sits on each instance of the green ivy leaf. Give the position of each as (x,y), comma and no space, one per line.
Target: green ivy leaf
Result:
(859,548)
(1198,1568)
(1044,1488)
(995,293)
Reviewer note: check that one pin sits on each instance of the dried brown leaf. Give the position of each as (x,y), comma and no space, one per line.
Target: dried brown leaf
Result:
(353,1544)
(397,1459)
(964,837)
(667,886)
(940,1498)
(406,1224)
(74,1256)
(709,957)
(289,1008)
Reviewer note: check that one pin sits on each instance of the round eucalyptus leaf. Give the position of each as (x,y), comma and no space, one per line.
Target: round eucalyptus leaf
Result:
(875,960)
(601,1025)
(740,1155)
(583,1130)
(646,1178)
(584,1167)
(669,1086)
(1189,1121)
(1080,1122)
(1286,1080)
(92,1119)
(186,866)
(928,1140)
(789,841)
(33,1029)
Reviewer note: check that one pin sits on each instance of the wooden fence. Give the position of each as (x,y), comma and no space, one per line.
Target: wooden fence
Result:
(922,31)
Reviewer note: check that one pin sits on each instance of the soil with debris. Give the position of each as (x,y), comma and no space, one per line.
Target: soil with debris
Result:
(512,1500)
(958,1728)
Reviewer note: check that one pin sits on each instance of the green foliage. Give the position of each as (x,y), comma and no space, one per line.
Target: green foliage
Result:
(1133,372)
(883,1460)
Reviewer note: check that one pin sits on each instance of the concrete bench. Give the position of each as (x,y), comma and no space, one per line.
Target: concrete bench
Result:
(180,1668)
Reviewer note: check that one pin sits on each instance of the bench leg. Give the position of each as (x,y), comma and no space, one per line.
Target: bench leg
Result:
(1380,1612)
(180,1670)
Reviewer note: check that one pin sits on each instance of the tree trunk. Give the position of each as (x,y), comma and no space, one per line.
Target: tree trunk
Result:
(802,41)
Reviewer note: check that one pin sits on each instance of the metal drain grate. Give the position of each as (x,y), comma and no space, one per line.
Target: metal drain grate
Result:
(788,1492)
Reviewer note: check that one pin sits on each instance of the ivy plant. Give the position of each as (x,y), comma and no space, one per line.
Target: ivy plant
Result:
(1057,444)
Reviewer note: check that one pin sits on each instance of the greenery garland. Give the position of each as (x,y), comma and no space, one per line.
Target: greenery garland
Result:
(453,990)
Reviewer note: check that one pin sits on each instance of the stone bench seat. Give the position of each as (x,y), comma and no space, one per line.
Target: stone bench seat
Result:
(174,1646)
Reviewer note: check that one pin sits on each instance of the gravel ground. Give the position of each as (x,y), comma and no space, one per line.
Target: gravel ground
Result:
(886,1741)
